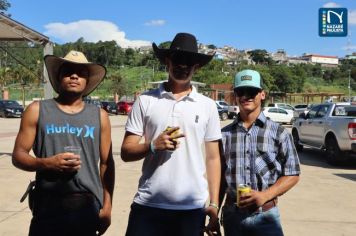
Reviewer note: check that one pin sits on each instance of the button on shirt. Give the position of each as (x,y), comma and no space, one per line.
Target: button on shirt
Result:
(258,156)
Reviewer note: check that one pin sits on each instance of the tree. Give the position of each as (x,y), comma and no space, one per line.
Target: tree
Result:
(165,45)
(284,79)
(260,56)
(4,5)
(211,46)
(300,75)
(317,71)
(117,85)
(213,73)
(353,73)
(4,76)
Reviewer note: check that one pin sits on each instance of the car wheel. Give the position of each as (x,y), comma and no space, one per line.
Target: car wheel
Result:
(296,140)
(333,153)
(223,116)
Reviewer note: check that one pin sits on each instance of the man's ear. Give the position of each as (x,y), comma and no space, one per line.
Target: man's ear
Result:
(166,60)
(263,95)
(196,67)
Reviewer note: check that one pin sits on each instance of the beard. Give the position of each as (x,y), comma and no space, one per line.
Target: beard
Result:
(71,93)
(181,73)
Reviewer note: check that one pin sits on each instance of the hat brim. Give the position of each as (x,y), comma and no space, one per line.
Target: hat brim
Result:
(248,86)
(97,73)
(200,58)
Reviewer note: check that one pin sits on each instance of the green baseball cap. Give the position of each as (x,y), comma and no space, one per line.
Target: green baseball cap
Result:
(248,78)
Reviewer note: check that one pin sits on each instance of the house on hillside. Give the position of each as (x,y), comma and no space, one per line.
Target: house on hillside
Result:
(325,61)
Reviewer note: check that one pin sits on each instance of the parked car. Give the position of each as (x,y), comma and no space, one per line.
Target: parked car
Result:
(110,107)
(10,108)
(279,115)
(222,104)
(300,108)
(281,105)
(92,101)
(223,112)
(330,127)
(124,107)
(330,99)
(232,111)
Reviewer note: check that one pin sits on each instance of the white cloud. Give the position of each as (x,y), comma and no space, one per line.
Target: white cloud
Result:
(331,5)
(352,17)
(155,23)
(92,31)
(351,47)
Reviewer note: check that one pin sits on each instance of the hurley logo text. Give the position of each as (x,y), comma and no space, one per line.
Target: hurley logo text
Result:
(86,131)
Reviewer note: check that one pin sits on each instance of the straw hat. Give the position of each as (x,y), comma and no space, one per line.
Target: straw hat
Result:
(53,64)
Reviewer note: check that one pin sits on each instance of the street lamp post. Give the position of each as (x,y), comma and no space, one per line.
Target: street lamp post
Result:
(349,85)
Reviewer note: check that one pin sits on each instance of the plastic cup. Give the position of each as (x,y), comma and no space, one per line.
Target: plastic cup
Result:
(73,149)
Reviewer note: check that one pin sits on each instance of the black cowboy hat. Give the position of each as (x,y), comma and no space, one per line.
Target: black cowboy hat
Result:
(183,44)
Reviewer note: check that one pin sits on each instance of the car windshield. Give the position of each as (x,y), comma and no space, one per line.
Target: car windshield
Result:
(301,106)
(11,103)
(345,110)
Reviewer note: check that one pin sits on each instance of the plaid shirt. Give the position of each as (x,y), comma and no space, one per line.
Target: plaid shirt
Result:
(258,156)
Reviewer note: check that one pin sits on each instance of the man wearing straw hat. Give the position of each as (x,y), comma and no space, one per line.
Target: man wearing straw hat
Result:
(74,187)
(175,121)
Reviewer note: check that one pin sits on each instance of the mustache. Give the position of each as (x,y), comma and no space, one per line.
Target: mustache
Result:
(181,69)
(181,72)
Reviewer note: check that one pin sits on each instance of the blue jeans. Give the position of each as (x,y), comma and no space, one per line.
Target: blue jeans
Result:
(149,221)
(240,223)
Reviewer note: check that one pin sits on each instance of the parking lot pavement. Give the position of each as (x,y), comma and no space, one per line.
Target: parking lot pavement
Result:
(322,204)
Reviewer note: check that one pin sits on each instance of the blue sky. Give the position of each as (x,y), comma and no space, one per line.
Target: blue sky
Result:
(254,24)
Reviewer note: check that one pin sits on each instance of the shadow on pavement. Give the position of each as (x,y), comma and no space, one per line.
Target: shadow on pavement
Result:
(313,157)
(347,176)
(6,153)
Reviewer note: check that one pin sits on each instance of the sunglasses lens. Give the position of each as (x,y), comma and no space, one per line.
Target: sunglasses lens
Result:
(248,92)
(181,59)
(69,70)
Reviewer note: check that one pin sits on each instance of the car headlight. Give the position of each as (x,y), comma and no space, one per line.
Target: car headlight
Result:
(9,110)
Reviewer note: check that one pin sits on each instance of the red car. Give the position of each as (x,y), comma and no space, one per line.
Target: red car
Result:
(124,107)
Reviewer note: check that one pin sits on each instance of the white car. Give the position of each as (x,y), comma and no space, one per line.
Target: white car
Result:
(281,105)
(279,115)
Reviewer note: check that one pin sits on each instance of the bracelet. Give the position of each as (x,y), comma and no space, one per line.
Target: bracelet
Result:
(214,205)
(152,148)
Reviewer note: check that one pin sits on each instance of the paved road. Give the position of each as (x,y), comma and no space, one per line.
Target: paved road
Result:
(322,204)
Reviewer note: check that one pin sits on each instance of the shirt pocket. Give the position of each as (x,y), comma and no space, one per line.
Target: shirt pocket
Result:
(266,160)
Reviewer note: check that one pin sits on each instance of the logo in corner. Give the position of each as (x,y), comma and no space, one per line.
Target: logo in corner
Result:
(333,22)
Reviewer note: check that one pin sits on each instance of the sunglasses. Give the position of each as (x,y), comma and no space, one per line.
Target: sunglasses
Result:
(182,59)
(248,92)
(68,70)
